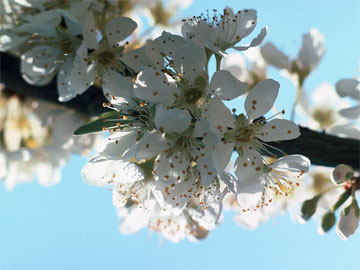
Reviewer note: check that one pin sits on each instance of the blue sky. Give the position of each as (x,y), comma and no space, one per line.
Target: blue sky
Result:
(74,226)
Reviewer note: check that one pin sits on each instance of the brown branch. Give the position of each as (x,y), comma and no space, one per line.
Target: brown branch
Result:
(88,103)
(320,148)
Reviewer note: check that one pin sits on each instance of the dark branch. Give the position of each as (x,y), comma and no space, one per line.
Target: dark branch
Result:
(89,103)
(320,148)
(323,149)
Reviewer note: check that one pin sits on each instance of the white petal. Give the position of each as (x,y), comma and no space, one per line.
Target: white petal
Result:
(150,146)
(226,86)
(169,43)
(90,32)
(255,42)
(134,221)
(82,75)
(347,225)
(220,117)
(236,64)
(351,113)
(312,49)
(274,56)
(205,163)
(116,85)
(47,175)
(147,56)
(348,88)
(222,154)
(64,89)
(261,98)
(177,194)
(229,180)
(101,170)
(117,144)
(190,60)
(154,86)
(202,128)
(279,130)
(117,29)
(248,196)
(169,170)
(38,65)
(292,163)
(171,120)
(249,167)
(345,131)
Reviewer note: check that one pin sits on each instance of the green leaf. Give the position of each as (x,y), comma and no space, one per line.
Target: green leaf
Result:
(343,197)
(106,120)
(309,207)
(328,221)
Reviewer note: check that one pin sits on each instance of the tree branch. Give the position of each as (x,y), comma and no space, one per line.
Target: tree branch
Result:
(89,103)
(320,148)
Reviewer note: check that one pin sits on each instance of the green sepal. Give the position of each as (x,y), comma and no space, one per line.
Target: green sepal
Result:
(106,120)
(328,221)
(356,209)
(342,198)
(309,207)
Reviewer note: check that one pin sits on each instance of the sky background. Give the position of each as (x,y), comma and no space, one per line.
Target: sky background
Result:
(74,226)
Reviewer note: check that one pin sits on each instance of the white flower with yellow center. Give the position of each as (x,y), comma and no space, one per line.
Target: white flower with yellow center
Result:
(221,32)
(251,131)
(258,181)
(95,59)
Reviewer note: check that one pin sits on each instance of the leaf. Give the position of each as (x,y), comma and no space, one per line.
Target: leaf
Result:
(328,221)
(107,120)
(342,198)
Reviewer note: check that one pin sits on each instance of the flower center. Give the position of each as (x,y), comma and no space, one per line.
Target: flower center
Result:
(324,116)
(66,46)
(193,96)
(105,57)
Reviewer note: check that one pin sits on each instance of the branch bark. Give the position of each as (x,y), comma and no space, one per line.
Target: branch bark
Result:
(321,148)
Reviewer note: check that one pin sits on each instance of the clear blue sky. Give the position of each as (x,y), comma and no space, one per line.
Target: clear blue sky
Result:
(74,226)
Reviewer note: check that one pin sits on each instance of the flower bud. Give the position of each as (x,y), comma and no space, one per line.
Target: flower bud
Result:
(341,173)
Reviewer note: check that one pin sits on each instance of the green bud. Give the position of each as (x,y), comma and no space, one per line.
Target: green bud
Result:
(309,207)
(328,221)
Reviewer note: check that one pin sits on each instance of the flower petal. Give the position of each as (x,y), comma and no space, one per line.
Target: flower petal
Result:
(312,49)
(255,42)
(101,170)
(117,144)
(220,117)
(117,29)
(154,86)
(116,85)
(248,196)
(171,120)
(348,88)
(249,167)
(150,146)
(226,86)
(222,154)
(274,56)
(147,56)
(348,224)
(279,130)
(351,113)
(261,98)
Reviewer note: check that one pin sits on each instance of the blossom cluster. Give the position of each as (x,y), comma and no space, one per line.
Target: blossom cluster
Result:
(172,137)
(36,139)
(175,154)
